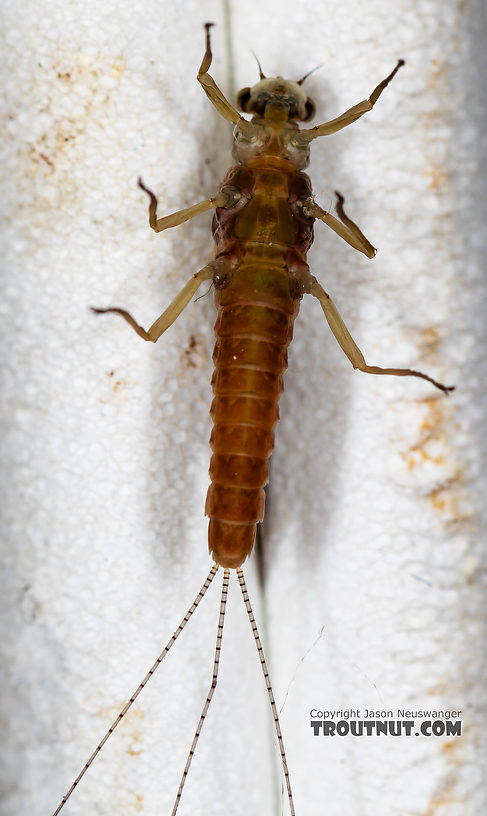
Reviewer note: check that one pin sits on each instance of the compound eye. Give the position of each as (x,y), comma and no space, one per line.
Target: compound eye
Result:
(310,110)
(243,98)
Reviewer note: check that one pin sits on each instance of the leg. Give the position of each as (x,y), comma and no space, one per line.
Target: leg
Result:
(351,349)
(173,220)
(352,113)
(347,230)
(212,90)
(172,312)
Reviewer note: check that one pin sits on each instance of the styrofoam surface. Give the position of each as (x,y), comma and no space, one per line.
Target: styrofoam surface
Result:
(375,514)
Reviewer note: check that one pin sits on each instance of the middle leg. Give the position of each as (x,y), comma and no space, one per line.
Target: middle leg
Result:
(345,228)
(179,217)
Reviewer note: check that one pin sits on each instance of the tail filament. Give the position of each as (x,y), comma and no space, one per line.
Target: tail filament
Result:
(144,682)
(214,679)
(270,693)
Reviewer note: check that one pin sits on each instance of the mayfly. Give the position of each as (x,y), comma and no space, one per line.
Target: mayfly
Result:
(262,228)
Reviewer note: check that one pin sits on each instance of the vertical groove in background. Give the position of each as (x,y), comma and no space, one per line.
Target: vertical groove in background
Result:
(229,50)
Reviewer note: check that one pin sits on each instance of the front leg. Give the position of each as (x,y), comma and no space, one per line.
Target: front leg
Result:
(212,90)
(352,114)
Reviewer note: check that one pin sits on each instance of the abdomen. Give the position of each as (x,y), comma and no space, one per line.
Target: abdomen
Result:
(256,312)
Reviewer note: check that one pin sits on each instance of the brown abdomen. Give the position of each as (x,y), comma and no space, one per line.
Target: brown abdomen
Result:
(256,312)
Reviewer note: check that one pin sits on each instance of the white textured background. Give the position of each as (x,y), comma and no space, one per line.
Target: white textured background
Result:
(374,530)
